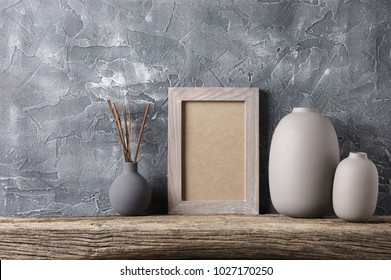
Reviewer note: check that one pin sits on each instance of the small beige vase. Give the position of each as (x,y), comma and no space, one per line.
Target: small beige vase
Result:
(355,191)
(304,154)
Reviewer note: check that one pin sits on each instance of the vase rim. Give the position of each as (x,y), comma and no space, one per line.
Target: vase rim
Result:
(130,162)
(358,155)
(130,166)
(304,110)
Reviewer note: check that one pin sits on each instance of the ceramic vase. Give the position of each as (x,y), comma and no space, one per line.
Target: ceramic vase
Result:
(355,190)
(304,155)
(130,193)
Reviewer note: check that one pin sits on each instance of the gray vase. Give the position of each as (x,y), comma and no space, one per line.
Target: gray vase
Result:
(355,190)
(304,154)
(130,193)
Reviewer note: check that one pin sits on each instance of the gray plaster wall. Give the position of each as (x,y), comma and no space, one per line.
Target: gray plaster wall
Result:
(60,60)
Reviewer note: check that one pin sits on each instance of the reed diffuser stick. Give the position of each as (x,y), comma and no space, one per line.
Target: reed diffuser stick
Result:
(141,131)
(126,135)
(121,135)
(111,107)
(126,131)
(131,133)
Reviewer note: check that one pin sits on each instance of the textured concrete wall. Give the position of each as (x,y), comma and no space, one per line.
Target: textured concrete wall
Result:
(60,59)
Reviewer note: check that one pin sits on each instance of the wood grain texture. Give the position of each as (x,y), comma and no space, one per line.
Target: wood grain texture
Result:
(189,237)
(176,203)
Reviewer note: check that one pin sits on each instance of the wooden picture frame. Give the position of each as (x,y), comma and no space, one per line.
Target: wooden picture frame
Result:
(213,151)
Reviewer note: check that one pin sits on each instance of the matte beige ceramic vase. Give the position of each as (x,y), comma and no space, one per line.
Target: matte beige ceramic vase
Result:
(304,154)
(355,190)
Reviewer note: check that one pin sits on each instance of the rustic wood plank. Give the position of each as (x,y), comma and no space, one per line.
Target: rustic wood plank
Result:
(205,237)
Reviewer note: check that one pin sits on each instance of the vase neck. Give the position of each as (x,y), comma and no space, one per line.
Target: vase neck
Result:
(130,166)
(358,155)
(304,110)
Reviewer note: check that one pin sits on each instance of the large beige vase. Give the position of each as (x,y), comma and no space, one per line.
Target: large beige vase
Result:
(304,155)
(356,185)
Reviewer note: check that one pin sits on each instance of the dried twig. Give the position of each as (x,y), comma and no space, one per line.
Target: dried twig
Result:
(141,131)
(119,127)
(131,133)
(126,132)
(126,141)
(111,107)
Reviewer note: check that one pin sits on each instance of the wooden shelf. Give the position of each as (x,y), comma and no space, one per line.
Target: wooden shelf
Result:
(189,237)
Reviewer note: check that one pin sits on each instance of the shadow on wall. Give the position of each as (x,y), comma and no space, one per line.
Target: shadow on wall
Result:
(265,205)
